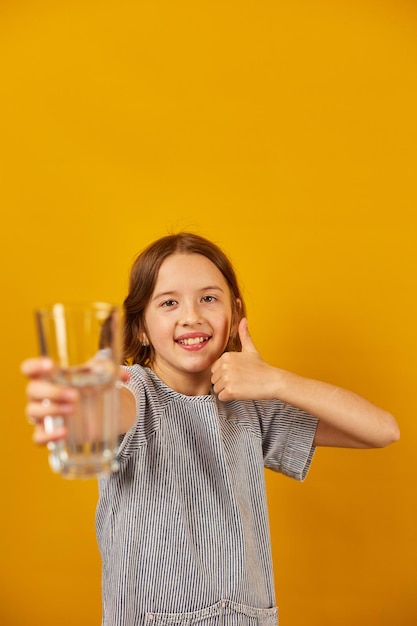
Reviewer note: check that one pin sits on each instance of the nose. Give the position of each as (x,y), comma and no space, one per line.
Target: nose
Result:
(190,314)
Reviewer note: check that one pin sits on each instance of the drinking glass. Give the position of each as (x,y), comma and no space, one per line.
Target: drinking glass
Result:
(84,342)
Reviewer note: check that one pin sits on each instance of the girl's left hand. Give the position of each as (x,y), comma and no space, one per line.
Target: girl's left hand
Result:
(242,375)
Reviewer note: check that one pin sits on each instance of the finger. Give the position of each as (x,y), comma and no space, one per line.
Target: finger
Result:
(37,411)
(215,367)
(37,390)
(35,368)
(221,365)
(245,338)
(41,438)
(218,387)
(216,379)
(47,399)
(124,375)
(218,364)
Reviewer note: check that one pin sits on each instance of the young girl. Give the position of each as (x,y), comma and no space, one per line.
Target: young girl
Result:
(183,525)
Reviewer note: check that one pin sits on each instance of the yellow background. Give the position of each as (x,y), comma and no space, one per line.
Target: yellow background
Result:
(286,132)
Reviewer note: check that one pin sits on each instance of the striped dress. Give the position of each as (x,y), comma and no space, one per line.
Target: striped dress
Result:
(183,525)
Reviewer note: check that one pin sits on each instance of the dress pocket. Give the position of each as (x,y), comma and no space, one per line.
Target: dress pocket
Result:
(223,613)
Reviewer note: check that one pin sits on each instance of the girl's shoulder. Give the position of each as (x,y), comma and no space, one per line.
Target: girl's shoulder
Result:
(144,384)
(149,407)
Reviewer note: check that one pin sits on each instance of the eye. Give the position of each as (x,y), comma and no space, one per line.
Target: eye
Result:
(208,299)
(169,303)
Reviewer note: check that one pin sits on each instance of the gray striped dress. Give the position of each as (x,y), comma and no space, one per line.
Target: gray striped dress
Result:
(183,525)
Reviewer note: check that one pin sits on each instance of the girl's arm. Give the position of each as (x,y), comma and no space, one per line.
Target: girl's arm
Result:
(47,398)
(345,419)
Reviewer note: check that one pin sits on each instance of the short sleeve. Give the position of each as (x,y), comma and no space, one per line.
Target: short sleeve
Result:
(287,439)
(147,412)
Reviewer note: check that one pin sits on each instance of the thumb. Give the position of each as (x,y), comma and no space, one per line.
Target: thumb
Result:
(245,338)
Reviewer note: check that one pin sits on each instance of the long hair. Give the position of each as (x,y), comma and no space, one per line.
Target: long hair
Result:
(142,282)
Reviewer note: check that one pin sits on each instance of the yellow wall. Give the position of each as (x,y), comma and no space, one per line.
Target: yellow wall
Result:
(285,131)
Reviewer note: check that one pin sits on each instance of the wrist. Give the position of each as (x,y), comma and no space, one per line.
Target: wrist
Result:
(275,384)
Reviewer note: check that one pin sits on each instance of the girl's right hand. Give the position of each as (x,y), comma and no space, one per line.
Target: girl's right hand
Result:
(46,399)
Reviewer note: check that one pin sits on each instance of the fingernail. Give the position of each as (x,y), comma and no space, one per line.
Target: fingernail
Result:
(70,395)
(66,409)
(46,363)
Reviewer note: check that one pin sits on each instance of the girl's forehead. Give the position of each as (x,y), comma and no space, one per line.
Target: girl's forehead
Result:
(185,268)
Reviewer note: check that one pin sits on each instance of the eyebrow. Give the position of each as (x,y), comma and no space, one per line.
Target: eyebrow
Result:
(165,294)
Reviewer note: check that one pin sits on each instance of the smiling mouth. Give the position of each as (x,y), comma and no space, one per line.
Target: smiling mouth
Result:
(192,341)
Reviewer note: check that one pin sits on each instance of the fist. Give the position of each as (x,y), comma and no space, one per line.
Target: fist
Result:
(241,375)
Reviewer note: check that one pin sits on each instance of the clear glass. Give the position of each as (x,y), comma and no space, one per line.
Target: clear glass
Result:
(84,341)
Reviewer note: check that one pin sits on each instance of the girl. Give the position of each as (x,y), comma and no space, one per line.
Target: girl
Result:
(183,525)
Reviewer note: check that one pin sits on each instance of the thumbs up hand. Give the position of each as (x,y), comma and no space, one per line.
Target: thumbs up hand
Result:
(242,375)
(245,338)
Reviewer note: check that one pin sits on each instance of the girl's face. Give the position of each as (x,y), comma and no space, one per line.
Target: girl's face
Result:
(188,321)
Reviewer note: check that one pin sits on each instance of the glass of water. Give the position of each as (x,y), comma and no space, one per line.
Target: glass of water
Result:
(84,342)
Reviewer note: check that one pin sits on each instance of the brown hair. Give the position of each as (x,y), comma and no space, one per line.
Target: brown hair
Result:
(142,282)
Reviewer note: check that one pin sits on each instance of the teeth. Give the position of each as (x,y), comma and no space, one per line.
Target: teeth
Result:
(192,341)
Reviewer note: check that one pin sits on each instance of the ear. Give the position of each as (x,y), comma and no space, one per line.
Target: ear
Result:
(238,312)
(236,317)
(143,339)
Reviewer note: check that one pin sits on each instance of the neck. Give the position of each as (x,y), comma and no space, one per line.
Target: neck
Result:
(188,384)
